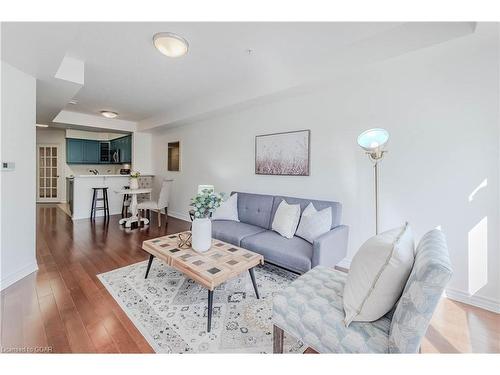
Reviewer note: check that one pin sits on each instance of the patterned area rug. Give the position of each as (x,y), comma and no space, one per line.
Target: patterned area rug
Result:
(170,310)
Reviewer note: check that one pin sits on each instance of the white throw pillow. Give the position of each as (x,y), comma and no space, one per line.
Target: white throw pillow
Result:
(228,210)
(314,223)
(378,273)
(286,219)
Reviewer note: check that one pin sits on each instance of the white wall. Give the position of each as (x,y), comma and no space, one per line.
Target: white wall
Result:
(141,152)
(440,106)
(100,136)
(18,186)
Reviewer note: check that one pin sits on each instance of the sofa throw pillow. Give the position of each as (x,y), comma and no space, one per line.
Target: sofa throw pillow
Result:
(286,219)
(314,223)
(378,273)
(228,210)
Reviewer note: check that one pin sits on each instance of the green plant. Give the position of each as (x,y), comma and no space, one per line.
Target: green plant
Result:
(135,174)
(205,203)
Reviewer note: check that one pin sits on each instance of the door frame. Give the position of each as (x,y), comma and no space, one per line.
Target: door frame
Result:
(59,183)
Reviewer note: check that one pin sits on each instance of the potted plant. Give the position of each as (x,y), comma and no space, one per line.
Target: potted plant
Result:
(203,204)
(134,180)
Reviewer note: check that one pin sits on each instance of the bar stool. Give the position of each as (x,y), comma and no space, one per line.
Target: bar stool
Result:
(126,202)
(95,198)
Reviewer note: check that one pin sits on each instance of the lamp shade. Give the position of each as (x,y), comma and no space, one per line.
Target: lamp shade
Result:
(373,140)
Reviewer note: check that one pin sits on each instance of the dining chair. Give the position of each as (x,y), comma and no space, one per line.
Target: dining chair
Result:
(160,204)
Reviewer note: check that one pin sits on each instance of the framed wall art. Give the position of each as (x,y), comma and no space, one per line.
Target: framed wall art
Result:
(283,154)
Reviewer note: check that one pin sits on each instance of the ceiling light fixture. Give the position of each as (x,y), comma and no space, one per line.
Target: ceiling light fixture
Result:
(73,102)
(170,44)
(109,114)
(41,126)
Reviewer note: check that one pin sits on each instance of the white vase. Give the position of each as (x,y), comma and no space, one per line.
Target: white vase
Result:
(201,234)
(134,183)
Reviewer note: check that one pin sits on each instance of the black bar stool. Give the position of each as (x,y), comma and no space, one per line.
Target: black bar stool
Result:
(104,198)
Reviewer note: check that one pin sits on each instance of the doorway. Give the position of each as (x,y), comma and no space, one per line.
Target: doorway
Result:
(48,176)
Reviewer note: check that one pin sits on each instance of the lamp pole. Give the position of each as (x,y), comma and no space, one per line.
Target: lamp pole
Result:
(375,168)
(373,142)
(375,158)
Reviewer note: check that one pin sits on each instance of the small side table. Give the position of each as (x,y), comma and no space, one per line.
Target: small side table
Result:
(133,206)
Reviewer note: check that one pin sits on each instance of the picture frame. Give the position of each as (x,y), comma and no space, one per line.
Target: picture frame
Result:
(283,154)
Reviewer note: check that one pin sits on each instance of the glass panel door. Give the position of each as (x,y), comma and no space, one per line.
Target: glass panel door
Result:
(48,175)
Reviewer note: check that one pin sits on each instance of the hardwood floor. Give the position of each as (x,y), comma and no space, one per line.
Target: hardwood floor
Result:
(65,307)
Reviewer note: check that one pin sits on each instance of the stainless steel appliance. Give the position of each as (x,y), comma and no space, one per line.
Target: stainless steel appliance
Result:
(115,156)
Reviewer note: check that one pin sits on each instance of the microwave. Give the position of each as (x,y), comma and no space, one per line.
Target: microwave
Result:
(115,156)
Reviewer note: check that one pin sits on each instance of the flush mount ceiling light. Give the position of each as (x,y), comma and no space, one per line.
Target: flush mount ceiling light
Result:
(109,114)
(41,126)
(73,102)
(170,44)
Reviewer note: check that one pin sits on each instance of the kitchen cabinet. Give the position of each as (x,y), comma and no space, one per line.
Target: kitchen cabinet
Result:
(82,151)
(87,151)
(74,151)
(91,152)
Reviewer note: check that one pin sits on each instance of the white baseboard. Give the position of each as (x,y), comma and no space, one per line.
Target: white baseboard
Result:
(18,275)
(474,300)
(179,215)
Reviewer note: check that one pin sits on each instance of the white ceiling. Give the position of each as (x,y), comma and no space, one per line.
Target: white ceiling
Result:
(126,74)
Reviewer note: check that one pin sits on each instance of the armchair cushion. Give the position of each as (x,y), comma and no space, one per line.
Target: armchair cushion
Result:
(311,309)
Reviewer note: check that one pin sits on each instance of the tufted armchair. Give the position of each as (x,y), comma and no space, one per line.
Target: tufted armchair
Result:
(311,308)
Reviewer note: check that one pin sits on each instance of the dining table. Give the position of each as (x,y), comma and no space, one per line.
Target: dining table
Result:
(128,221)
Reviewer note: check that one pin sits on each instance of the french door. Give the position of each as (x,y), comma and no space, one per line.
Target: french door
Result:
(48,173)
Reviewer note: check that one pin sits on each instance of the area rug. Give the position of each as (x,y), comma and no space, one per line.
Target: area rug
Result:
(170,310)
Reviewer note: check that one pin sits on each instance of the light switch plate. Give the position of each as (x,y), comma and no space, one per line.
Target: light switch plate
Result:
(8,166)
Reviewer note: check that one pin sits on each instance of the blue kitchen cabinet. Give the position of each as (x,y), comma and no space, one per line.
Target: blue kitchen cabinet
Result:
(82,151)
(127,149)
(86,151)
(74,151)
(91,152)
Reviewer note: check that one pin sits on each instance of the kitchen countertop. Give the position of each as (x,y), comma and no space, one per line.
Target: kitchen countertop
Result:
(107,175)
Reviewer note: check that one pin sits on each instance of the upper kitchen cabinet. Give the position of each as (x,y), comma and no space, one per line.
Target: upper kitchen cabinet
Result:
(91,152)
(82,151)
(74,151)
(88,151)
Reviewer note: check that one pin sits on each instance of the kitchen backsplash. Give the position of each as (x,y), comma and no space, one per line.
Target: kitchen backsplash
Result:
(102,169)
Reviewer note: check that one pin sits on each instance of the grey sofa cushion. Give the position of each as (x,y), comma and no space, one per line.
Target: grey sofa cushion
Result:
(294,253)
(255,209)
(233,231)
(319,205)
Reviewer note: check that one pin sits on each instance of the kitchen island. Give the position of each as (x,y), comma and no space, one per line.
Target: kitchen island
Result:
(81,198)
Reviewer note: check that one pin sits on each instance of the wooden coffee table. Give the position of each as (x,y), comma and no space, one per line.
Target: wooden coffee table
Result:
(220,263)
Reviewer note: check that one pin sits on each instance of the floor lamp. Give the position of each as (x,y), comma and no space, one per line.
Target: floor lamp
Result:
(373,142)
